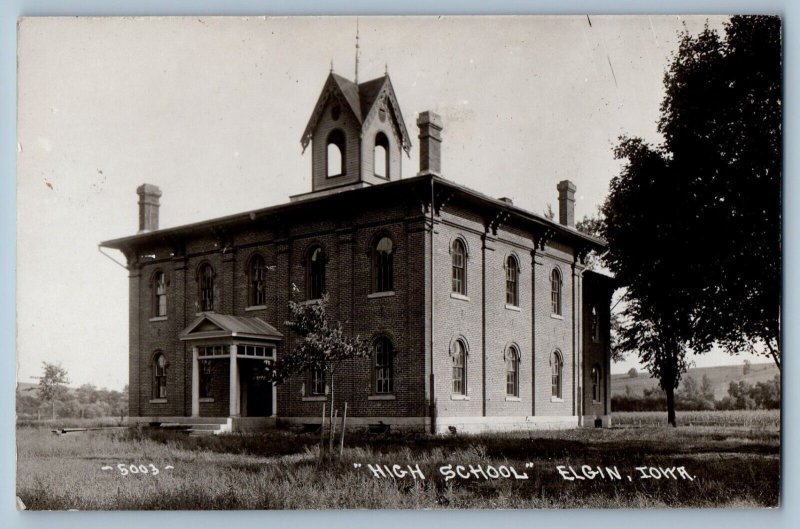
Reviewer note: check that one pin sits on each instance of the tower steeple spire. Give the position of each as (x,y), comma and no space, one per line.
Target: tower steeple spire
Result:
(356,79)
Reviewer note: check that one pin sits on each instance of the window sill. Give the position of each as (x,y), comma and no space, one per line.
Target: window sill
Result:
(385,294)
(462,297)
(556,399)
(513,399)
(310,301)
(202,312)
(459,397)
(596,402)
(158,318)
(557,316)
(315,398)
(381,397)
(158,401)
(514,308)
(255,307)
(206,399)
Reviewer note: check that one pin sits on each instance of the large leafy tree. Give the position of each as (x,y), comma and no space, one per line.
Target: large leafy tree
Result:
(642,240)
(721,122)
(693,225)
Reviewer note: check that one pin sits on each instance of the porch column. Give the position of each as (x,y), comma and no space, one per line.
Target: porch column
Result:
(234,384)
(195,383)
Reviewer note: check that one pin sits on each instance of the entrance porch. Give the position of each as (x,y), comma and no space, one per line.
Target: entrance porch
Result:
(231,358)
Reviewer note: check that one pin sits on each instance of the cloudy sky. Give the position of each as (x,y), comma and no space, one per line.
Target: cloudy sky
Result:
(212,111)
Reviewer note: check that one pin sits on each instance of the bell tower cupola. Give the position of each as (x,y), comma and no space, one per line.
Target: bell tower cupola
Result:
(357,135)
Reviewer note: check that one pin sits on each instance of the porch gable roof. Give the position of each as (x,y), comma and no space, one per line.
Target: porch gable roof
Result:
(213,325)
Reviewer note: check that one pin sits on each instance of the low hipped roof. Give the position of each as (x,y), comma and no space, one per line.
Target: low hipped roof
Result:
(424,186)
(213,325)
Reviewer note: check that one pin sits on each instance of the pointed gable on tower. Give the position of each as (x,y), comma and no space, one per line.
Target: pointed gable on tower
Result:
(357,135)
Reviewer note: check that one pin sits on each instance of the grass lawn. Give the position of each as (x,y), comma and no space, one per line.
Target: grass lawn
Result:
(734,464)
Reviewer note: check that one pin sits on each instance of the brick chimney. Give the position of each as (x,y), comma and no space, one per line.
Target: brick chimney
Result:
(148,207)
(430,143)
(566,203)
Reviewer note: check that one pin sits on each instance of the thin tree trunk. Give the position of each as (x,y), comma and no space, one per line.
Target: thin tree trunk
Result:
(322,433)
(333,432)
(774,354)
(671,406)
(53,402)
(330,441)
(344,425)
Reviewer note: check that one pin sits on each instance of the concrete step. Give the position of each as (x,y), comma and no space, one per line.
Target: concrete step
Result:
(174,426)
(188,420)
(200,420)
(205,427)
(202,432)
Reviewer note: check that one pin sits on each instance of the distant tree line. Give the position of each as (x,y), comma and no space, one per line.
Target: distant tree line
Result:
(86,401)
(692,396)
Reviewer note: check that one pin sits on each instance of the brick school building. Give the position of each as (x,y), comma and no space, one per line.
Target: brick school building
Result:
(481,314)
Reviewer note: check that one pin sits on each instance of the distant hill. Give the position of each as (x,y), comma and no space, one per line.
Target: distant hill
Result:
(26,386)
(720,377)
(32,389)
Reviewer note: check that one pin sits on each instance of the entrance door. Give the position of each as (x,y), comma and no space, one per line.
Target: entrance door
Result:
(256,390)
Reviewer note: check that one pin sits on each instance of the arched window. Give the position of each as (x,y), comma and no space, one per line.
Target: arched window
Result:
(257,278)
(159,376)
(596,383)
(512,372)
(159,295)
(594,323)
(381,155)
(459,356)
(383,266)
(459,256)
(555,291)
(557,364)
(335,153)
(383,366)
(512,281)
(206,283)
(315,273)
